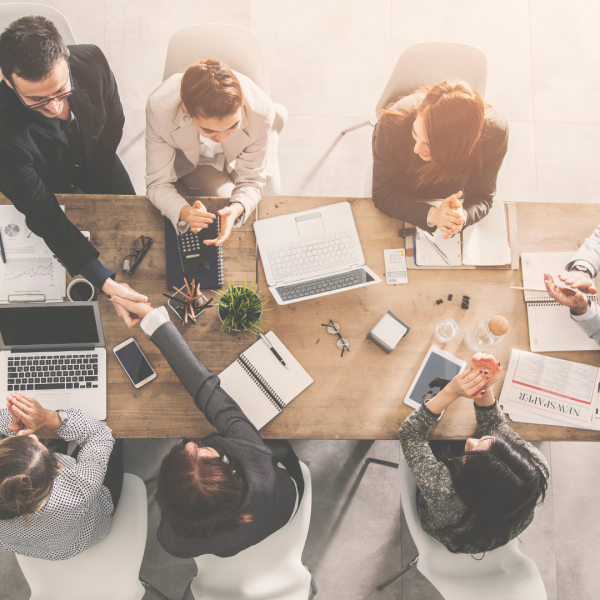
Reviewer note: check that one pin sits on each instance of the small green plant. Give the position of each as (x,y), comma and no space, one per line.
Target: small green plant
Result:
(241,308)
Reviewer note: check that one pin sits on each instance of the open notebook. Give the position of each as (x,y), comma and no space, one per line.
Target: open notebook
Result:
(260,384)
(483,244)
(551,328)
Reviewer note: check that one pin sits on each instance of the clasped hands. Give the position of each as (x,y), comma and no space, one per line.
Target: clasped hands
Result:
(198,218)
(575,298)
(449,217)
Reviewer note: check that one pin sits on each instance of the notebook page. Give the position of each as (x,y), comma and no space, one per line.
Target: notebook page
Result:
(486,242)
(534,265)
(426,255)
(248,394)
(287,384)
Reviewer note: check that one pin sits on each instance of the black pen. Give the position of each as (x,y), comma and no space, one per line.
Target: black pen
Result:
(2,250)
(273,350)
(173,298)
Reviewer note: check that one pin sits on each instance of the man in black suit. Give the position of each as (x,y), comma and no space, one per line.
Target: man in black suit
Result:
(61,121)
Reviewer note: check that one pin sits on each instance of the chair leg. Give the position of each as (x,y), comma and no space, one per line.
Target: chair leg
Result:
(363,124)
(313,584)
(188,589)
(385,463)
(153,590)
(399,574)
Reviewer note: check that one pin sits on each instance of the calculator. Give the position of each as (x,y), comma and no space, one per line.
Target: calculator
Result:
(395,266)
(193,252)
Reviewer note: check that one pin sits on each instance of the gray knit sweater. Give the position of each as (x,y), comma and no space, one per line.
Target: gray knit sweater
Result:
(438,503)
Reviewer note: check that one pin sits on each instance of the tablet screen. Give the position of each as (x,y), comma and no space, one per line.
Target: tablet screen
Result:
(435,376)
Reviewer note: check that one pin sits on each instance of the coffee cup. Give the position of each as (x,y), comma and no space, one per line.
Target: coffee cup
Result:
(80,290)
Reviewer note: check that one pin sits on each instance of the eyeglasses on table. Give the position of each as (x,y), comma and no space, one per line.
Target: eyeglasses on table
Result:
(140,247)
(334,328)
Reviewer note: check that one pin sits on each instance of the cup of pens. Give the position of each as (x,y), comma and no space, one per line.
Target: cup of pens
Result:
(188,302)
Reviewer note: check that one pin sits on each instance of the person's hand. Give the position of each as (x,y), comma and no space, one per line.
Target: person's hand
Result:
(491,367)
(111,288)
(575,300)
(31,414)
(449,217)
(580,281)
(228,216)
(469,383)
(131,312)
(196,216)
(17,424)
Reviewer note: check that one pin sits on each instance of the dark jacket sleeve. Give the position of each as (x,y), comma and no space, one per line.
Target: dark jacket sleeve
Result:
(204,387)
(104,150)
(43,215)
(389,173)
(480,188)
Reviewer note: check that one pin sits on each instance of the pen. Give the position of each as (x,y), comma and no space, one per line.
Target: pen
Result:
(429,238)
(2,250)
(173,298)
(273,350)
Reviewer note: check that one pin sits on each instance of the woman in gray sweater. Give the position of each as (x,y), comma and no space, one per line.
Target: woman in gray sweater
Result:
(485,497)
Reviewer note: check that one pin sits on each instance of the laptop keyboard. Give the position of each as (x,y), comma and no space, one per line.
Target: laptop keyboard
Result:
(309,257)
(29,372)
(322,285)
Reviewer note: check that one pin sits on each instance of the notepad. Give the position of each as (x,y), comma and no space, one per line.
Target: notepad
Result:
(260,384)
(551,328)
(483,244)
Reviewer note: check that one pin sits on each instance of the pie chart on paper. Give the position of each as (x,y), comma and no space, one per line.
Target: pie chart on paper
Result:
(12,230)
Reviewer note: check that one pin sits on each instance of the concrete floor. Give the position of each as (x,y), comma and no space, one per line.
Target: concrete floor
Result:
(328,63)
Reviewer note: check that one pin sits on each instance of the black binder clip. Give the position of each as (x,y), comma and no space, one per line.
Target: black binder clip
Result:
(404,232)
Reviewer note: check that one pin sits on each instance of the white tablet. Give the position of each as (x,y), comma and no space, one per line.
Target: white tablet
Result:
(436,371)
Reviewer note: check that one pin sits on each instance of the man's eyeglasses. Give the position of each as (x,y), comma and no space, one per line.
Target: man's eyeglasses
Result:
(43,103)
(334,328)
(140,247)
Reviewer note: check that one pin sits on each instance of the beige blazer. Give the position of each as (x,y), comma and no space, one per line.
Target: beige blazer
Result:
(173,147)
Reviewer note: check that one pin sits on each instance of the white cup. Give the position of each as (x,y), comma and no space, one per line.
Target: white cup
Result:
(80,290)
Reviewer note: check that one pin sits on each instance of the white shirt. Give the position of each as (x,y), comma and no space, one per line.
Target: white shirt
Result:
(211,153)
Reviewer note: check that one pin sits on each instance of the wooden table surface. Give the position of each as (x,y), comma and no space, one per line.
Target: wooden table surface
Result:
(360,395)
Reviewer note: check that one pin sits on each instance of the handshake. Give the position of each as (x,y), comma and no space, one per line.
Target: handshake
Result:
(130,306)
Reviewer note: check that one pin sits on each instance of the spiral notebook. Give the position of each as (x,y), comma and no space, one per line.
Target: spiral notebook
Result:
(211,279)
(260,384)
(551,328)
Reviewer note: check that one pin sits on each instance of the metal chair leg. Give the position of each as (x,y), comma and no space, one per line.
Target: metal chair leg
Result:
(153,590)
(385,463)
(399,574)
(358,126)
(188,589)
(313,584)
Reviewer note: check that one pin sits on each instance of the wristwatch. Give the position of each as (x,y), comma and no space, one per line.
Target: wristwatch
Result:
(181,224)
(63,416)
(582,269)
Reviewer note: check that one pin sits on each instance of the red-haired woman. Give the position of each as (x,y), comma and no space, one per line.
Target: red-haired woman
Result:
(231,490)
(207,134)
(440,143)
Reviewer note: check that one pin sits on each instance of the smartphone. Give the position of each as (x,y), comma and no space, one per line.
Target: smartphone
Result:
(135,364)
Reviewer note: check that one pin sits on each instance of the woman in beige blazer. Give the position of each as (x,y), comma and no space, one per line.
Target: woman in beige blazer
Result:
(207,134)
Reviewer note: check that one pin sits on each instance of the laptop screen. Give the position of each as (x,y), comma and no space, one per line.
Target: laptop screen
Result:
(66,324)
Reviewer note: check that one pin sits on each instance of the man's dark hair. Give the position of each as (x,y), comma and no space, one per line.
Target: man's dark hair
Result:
(30,47)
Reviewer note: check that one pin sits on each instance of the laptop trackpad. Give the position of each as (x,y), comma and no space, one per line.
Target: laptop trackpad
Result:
(311,224)
(54,401)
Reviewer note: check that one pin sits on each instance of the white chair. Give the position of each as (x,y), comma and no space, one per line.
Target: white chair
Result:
(271,570)
(12,12)
(424,64)
(241,50)
(502,574)
(107,570)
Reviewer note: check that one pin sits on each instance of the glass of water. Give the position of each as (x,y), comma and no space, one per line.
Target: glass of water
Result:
(446,330)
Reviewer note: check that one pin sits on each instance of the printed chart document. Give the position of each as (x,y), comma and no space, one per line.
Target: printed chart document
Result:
(545,390)
(30,270)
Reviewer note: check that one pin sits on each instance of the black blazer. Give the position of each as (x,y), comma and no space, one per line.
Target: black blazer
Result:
(36,161)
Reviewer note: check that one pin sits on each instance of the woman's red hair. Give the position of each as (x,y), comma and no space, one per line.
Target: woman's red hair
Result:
(453,113)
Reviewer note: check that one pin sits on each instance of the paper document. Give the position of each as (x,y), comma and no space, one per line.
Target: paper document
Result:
(486,242)
(30,269)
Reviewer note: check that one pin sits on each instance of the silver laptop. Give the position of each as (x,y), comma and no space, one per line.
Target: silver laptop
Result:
(55,353)
(312,253)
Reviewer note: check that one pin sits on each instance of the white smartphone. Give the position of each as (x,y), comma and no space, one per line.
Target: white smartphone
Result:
(134,363)
(437,370)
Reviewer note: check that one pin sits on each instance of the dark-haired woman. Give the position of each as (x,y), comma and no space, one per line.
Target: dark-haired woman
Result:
(54,506)
(486,496)
(439,143)
(231,490)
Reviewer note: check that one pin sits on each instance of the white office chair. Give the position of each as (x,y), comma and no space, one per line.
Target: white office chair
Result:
(12,12)
(502,574)
(241,50)
(424,64)
(271,570)
(107,570)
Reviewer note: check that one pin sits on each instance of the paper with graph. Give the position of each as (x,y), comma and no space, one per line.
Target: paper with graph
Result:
(30,270)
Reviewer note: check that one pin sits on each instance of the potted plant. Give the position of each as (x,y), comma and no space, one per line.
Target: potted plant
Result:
(241,308)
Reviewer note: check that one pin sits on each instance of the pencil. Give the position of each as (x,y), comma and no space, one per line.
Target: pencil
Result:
(2,250)
(187,285)
(182,293)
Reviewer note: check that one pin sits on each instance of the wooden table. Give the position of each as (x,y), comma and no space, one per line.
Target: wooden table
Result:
(360,395)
